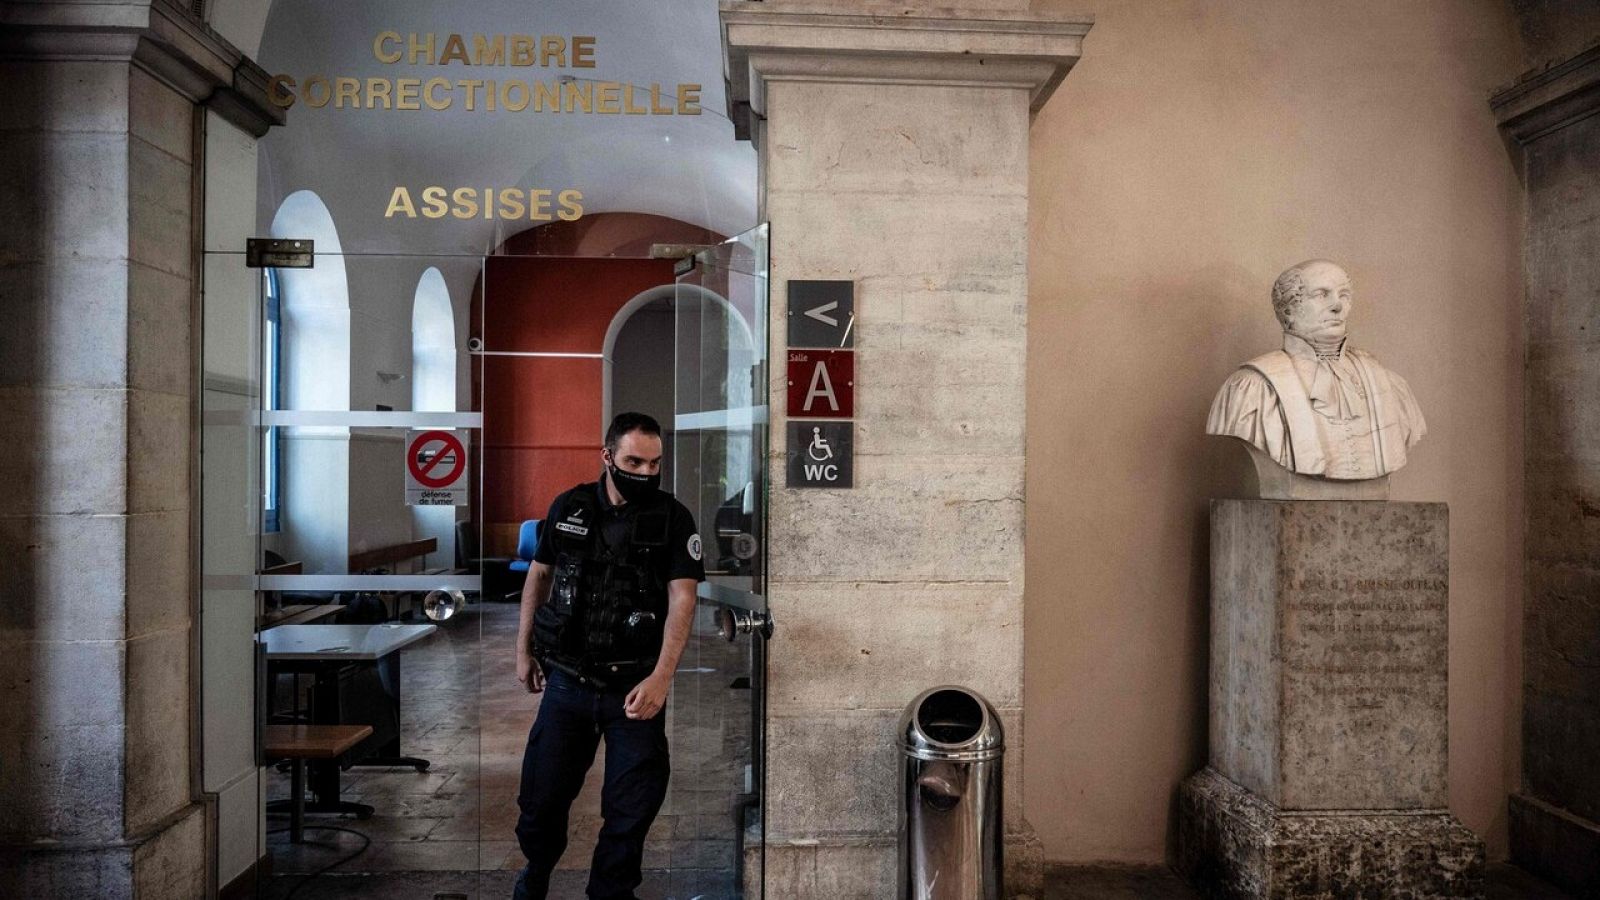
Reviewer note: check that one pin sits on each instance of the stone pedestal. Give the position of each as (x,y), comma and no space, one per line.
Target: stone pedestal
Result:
(1329,646)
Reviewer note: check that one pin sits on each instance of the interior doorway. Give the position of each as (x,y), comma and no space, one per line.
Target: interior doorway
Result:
(431,787)
(483,344)
(568,342)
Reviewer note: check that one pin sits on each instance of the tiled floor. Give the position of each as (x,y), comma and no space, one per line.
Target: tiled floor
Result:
(1089,883)
(1505,882)
(448,832)
(464,711)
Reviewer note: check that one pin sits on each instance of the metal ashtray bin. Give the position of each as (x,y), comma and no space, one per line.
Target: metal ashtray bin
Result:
(951,834)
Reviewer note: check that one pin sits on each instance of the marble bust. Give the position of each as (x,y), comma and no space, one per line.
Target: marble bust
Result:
(1318,408)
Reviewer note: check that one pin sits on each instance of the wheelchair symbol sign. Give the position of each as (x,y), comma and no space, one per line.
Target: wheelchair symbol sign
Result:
(820,450)
(820,455)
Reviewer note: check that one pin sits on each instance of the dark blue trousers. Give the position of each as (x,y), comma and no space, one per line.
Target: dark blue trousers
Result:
(572,719)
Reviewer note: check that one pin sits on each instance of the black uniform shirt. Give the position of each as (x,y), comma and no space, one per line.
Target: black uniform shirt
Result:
(683,556)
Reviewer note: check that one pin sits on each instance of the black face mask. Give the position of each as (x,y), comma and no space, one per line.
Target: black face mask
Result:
(633,487)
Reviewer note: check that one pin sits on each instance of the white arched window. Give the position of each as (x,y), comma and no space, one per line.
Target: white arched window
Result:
(433,389)
(707,456)
(433,346)
(314,305)
(313,374)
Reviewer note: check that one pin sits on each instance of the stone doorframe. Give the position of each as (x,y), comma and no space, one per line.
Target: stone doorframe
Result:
(893,152)
(99,655)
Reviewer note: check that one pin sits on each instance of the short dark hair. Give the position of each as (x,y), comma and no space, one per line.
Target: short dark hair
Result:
(628,423)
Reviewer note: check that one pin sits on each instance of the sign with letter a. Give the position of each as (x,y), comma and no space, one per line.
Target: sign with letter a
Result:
(822,384)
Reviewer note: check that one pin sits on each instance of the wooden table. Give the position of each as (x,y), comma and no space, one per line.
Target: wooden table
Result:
(333,655)
(299,614)
(340,643)
(300,743)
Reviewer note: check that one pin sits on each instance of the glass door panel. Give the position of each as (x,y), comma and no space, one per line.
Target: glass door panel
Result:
(719,436)
(477,196)
(319,568)
(230,522)
(343,608)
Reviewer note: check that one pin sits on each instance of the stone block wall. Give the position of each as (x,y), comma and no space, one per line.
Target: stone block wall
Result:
(894,154)
(1561,713)
(939,335)
(98,280)
(1555,819)
(96,373)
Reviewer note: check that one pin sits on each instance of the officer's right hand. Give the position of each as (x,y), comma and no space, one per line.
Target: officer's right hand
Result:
(530,673)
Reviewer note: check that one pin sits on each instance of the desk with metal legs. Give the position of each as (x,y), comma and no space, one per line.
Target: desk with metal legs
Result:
(330,653)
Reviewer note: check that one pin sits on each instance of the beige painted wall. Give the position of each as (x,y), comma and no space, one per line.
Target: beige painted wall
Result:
(1198,149)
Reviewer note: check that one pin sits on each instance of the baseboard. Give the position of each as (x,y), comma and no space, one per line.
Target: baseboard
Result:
(244,885)
(1561,848)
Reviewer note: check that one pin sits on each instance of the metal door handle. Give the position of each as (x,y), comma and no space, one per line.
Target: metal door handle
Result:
(732,622)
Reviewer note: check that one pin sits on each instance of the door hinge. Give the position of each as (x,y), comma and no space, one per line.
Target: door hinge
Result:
(279,253)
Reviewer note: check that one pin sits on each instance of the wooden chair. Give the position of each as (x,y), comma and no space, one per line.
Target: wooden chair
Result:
(300,743)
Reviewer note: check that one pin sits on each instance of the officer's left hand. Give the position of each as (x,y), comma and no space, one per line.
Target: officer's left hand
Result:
(647,699)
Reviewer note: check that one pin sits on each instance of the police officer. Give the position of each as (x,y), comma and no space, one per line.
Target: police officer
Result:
(606,612)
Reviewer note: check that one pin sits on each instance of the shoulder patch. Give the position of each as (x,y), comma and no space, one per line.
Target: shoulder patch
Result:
(694,547)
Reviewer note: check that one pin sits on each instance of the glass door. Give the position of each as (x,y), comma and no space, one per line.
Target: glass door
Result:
(719,450)
(492,279)
(345,650)
(365,510)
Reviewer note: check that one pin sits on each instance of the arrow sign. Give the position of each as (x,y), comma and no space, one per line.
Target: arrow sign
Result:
(821,314)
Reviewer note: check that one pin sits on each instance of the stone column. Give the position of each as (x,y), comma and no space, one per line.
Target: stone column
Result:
(894,153)
(1329,759)
(98,280)
(1555,818)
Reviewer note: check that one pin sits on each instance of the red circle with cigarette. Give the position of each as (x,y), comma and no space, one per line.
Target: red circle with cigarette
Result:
(438,468)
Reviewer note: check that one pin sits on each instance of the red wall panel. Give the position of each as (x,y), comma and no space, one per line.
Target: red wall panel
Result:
(541,422)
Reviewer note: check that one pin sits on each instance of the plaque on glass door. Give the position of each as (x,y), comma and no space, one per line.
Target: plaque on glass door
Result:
(436,469)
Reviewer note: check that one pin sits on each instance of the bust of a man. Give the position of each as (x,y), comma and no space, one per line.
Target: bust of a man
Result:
(1319,407)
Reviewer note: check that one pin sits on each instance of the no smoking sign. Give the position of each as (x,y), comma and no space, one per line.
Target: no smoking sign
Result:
(436,469)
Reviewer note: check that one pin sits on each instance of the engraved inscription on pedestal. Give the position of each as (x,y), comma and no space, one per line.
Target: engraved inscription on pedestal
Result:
(1330,624)
(1329,650)
(1364,682)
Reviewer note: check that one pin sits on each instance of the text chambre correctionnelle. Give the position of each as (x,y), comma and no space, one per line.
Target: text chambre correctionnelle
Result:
(562,93)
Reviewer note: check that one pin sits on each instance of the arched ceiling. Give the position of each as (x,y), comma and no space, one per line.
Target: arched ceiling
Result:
(688,167)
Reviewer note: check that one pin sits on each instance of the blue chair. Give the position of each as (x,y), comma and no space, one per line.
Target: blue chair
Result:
(496,570)
(527,542)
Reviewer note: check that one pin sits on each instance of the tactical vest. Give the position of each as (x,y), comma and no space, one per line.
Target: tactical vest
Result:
(603,621)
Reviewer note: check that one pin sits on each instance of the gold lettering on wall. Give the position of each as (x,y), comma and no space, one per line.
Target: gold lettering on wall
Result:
(488,51)
(380,44)
(423,91)
(583,51)
(563,94)
(519,204)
